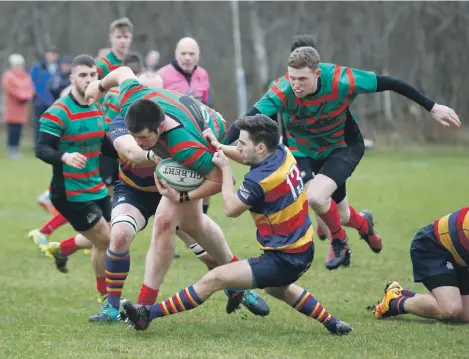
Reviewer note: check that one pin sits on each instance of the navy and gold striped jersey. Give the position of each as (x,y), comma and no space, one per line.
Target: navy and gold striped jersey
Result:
(279,206)
(452,232)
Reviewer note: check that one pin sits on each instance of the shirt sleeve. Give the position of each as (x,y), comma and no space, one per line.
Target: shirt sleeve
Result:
(361,82)
(250,192)
(52,121)
(129,91)
(117,128)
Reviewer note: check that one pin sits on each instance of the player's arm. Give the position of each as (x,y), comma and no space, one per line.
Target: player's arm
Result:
(272,103)
(230,151)
(235,202)
(367,82)
(107,148)
(47,147)
(96,89)
(126,145)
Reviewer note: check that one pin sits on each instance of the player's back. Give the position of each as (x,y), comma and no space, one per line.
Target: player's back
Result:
(192,115)
(281,214)
(452,232)
(107,63)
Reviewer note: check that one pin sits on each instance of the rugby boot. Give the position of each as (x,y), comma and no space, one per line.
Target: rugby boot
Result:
(107,313)
(372,238)
(53,250)
(339,254)
(391,291)
(136,315)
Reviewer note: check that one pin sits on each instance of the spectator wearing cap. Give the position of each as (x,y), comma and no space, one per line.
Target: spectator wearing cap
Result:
(60,81)
(41,72)
(18,89)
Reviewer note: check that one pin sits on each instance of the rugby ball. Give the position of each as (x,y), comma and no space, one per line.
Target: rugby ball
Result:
(178,176)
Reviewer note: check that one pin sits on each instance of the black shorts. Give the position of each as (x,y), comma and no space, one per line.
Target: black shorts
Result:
(434,265)
(108,169)
(145,202)
(83,215)
(279,269)
(340,164)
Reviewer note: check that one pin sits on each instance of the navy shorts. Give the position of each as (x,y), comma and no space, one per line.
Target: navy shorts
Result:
(434,265)
(145,202)
(279,269)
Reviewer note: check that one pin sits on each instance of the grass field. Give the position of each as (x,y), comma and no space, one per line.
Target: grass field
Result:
(44,313)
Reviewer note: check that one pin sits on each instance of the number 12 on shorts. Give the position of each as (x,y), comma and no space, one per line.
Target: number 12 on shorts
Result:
(294,180)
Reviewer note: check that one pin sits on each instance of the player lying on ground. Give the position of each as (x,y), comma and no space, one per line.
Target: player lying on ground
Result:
(440,259)
(171,125)
(273,192)
(314,100)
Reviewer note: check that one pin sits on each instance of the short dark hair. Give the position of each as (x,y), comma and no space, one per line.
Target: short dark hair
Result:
(303,40)
(134,61)
(261,128)
(83,60)
(142,115)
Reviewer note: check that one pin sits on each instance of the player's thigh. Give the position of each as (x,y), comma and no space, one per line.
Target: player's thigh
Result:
(340,165)
(465,308)
(279,269)
(463,280)
(83,216)
(191,215)
(235,275)
(168,215)
(133,203)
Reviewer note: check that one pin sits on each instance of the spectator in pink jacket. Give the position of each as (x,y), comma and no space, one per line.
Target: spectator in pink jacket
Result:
(18,89)
(184,74)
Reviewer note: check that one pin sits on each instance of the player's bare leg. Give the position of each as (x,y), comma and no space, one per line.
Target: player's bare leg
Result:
(197,249)
(322,230)
(230,276)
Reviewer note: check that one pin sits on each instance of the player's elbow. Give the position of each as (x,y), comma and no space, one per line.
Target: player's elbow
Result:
(231,212)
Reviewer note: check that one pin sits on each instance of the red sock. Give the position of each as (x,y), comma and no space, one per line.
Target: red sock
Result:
(68,247)
(147,295)
(55,222)
(357,221)
(235,259)
(332,220)
(101,284)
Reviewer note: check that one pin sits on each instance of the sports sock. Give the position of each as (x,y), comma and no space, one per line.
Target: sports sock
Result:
(332,220)
(186,299)
(55,222)
(117,269)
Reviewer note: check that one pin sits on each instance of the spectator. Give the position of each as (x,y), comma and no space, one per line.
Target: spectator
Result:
(58,83)
(19,91)
(41,72)
(184,74)
(152,60)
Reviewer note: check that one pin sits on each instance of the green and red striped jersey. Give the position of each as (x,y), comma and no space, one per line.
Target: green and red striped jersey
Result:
(110,104)
(185,143)
(80,129)
(107,63)
(316,122)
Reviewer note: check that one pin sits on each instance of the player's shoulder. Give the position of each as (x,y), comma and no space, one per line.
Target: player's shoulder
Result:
(264,171)
(114,91)
(282,84)
(62,106)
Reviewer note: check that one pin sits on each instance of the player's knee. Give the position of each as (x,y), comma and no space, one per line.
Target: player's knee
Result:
(164,223)
(452,312)
(317,201)
(216,279)
(123,230)
(276,292)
